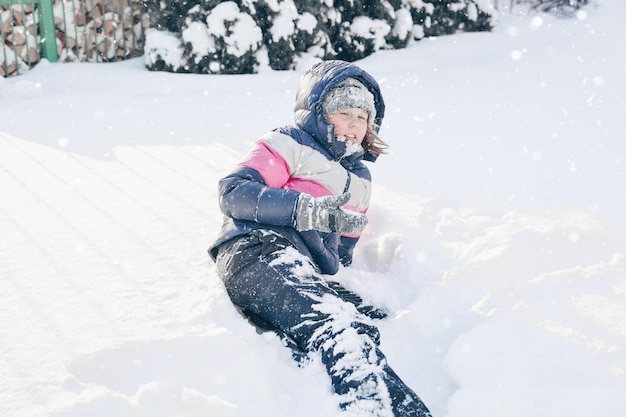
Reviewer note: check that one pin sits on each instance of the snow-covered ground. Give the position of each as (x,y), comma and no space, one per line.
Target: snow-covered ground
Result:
(497,236)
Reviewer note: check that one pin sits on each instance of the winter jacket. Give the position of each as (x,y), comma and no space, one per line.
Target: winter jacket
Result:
(262,191)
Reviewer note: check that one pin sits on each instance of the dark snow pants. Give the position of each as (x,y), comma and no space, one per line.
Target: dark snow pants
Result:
(278,289)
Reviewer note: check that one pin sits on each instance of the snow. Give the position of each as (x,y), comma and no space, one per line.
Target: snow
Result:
(167,46)
(283,25)
(197,36)
(241,36)
(403,25)
(496,235)
(368,28)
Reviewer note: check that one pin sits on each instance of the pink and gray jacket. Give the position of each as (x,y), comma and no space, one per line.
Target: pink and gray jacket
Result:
(262,191)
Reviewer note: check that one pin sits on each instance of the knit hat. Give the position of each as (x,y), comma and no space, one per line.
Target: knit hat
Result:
(349,94)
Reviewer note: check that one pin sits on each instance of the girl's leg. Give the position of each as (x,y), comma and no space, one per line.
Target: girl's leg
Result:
(277,288)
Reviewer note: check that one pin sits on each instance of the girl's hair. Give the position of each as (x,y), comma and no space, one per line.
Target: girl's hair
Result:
(373,144)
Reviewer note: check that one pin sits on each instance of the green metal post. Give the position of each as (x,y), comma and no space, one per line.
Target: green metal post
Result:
(48,31)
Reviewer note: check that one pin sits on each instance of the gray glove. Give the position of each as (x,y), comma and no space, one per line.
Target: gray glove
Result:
(325,214)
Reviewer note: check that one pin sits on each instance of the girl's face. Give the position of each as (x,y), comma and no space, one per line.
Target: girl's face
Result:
(350,124)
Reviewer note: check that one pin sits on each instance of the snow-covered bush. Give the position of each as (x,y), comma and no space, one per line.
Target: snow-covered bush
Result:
(235,36)
(445,17)
(164,51)
(222,40)
(558,7)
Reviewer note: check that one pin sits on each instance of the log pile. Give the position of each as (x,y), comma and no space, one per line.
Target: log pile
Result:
(98,30)
(86,31)
(18,47)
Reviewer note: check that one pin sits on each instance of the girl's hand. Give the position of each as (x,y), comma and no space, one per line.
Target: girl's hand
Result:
(325,214)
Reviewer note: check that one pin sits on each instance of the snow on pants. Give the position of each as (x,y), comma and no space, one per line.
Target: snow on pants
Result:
(278,289)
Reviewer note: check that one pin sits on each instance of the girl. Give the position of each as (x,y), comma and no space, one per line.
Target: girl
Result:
(294,209)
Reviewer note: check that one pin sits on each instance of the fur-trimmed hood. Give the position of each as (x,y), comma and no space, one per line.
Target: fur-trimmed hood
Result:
(315,84)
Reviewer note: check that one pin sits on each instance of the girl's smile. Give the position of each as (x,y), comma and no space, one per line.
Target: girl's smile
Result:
(350,123)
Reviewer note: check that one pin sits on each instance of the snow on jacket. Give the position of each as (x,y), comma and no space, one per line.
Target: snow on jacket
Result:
(262,191)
